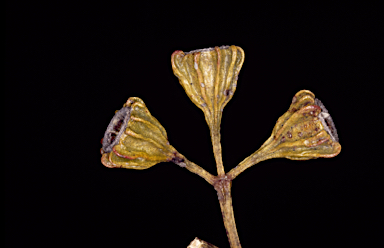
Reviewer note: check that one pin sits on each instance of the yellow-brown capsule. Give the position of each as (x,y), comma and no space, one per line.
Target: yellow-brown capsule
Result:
(135,139)
(305,131)
(209,77)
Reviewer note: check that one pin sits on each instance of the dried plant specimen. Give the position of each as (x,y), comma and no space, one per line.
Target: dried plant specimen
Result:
(134,139)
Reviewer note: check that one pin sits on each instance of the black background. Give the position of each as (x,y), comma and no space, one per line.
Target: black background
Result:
(70,66)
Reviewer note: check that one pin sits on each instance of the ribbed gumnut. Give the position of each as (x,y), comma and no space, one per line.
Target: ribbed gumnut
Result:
(305,131)
(209,77)
(135,139)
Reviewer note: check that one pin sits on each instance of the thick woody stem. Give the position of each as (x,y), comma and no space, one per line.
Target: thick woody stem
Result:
(223,188)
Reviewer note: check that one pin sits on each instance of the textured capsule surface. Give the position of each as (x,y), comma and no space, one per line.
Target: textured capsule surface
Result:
(140,142)
(300,133)
(209,77)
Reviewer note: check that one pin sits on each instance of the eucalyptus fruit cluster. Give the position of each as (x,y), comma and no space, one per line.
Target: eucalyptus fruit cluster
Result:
(134,139)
